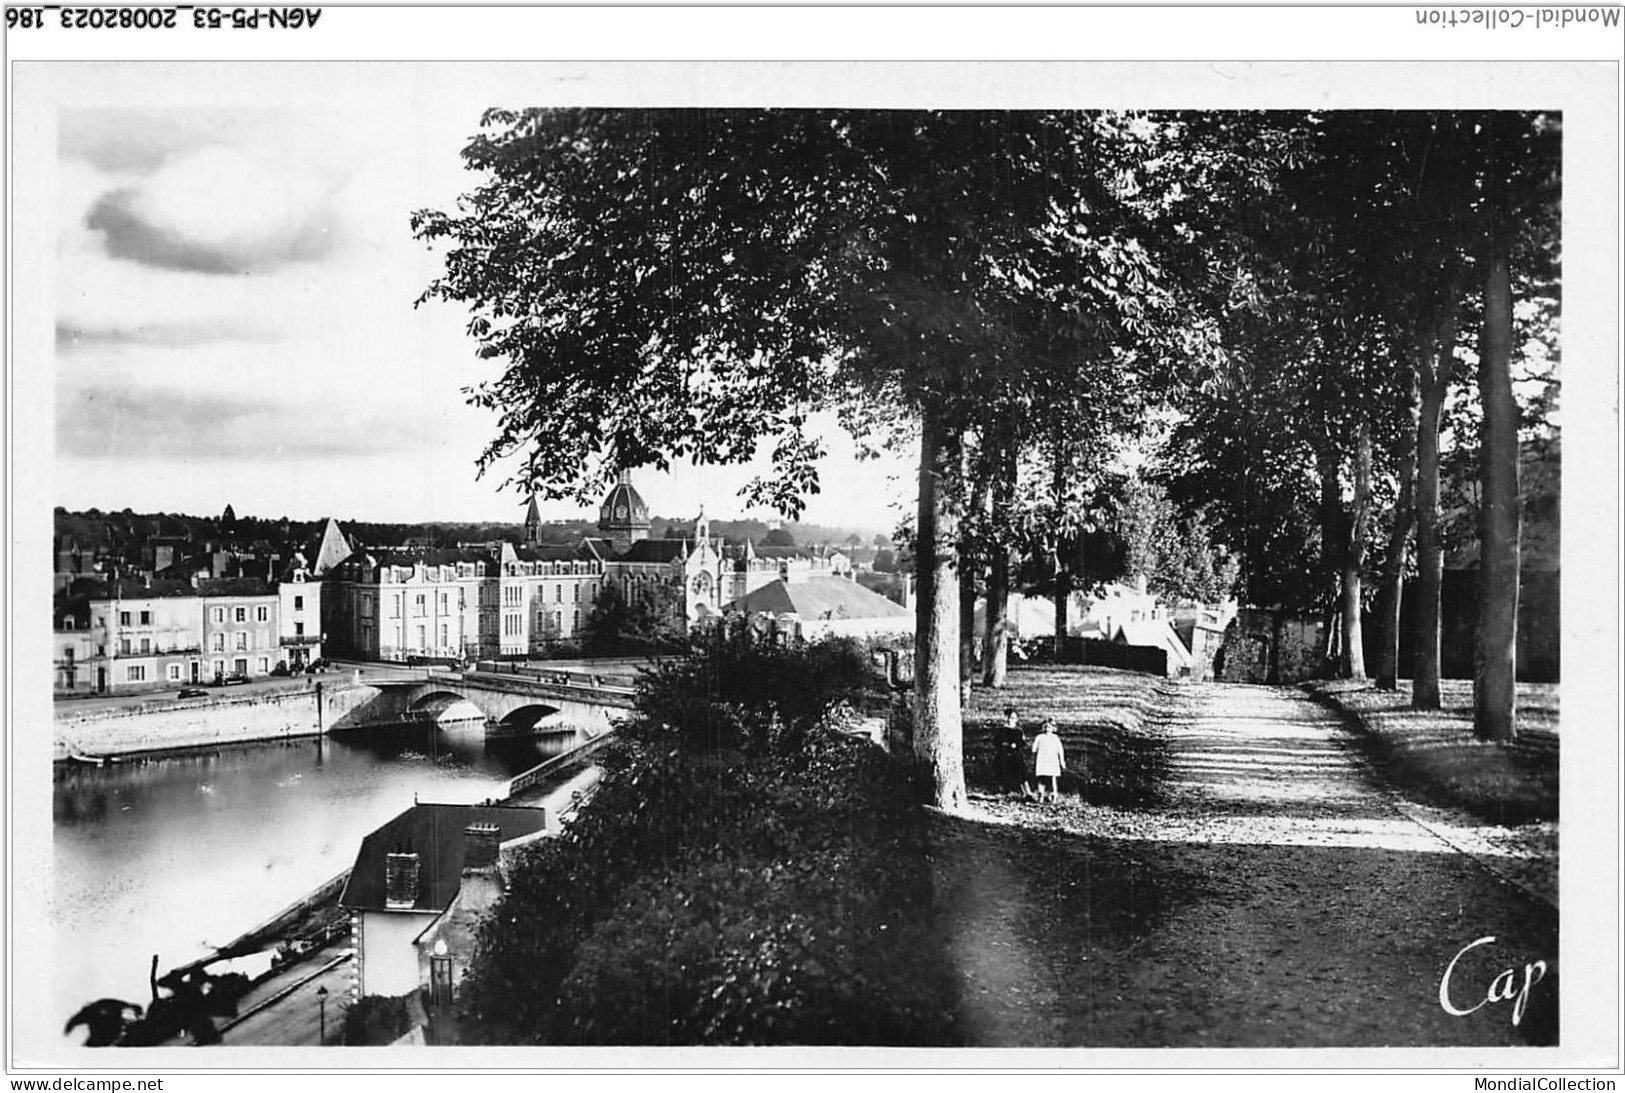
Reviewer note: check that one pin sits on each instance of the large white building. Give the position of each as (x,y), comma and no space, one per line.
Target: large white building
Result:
(506,599)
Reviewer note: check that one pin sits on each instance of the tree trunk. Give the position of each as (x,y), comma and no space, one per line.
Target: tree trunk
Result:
(1058,601)
(1390,597)
(1353,659)
(938,743)
(1495,657)
(996,641)
(996,633)
(967,624)
(1333,546)
(1058,485)
(1436,378)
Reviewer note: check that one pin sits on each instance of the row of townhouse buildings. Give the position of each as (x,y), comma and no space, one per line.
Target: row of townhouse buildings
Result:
(475,600)
(507,599)
(130,634)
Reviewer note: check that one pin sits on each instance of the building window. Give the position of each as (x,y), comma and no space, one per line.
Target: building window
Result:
(219,614)
(575,621)
(67,653)
(445,636)
(146,618)
(174,673)
(124,618)
(242,640)
(420,602)
(219,645)
(262,614)
(298,629)
(146,645)
(265,665)
(241,614)
(395,606)
(219,668)
(575,593)
(124,647)
(558,593)
(135,673)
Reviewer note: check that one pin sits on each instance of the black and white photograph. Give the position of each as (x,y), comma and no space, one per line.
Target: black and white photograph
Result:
(917,564)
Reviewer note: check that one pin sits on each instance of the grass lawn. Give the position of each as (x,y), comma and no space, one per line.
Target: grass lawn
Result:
(1434,755)
(1109,721)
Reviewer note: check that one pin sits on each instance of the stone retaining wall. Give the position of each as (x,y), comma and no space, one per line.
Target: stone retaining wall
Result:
(150,727)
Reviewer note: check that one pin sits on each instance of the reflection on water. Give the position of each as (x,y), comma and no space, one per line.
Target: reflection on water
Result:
(173,855)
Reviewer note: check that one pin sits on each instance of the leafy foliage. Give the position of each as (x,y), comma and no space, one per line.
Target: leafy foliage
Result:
(1175,554)
(744,875)
(375,1021)
(641,623)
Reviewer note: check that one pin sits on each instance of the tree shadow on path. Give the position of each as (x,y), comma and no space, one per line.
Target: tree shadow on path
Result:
(1260,893)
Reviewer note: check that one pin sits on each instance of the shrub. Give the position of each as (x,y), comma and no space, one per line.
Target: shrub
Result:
(734,691)
(375,1020)
(744,875)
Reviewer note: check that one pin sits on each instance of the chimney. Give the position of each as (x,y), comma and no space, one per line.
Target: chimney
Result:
(482,847)
(400,881)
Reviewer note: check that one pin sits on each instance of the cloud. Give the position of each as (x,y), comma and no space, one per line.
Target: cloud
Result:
(101,421)
(72,336)
(218,211)
(135,141)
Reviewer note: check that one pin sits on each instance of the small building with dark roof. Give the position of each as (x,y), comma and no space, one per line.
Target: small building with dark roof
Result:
(408,873)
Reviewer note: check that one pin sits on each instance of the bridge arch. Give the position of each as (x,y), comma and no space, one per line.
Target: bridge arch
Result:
(534,717)
(438,702)
(586,703)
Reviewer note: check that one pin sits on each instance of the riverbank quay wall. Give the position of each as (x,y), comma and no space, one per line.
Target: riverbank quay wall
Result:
(226,718)
(323,707)
(165,725)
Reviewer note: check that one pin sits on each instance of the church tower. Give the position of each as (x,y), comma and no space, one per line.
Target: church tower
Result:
(533,523)
(624,515)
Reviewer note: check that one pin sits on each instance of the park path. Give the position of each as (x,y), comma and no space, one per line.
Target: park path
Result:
(1271,894)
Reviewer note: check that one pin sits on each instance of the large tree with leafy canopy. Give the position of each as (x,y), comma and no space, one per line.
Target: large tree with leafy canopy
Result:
(664,284)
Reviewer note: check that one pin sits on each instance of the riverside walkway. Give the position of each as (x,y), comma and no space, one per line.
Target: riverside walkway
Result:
(1266,889)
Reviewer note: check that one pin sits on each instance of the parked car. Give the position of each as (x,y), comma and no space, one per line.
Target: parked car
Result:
(192,692)
(230,681)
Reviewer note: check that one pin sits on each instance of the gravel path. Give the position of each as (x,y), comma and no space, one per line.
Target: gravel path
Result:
(1273,895)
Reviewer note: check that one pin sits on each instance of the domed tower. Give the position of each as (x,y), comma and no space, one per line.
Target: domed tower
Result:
(624,516)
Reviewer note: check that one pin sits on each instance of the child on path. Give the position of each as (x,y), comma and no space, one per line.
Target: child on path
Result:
(1010,762)
(1049,760)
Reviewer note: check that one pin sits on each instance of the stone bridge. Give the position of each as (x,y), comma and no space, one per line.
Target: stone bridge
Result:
(536,701)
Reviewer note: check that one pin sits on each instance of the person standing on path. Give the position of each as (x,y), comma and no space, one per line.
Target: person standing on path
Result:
(1009,756)
(1049,760)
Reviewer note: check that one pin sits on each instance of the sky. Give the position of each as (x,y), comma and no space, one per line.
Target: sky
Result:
(235,321)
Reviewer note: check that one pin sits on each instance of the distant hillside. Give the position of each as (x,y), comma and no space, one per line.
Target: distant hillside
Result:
(662,527)
(117,533)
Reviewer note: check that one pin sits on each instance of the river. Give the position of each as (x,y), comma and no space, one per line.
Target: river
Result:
(179,854)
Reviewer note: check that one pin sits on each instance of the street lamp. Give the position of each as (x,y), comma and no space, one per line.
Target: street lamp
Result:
(321,1002)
